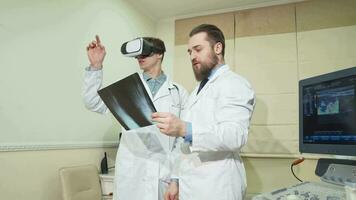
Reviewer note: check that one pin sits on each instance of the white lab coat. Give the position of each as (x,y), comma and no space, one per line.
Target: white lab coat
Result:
(211,167)
(145,155)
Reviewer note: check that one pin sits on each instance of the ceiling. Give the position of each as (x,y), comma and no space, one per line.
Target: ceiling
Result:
(162,9)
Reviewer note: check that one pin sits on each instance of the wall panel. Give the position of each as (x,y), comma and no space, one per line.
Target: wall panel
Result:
(183,72)
(326,32)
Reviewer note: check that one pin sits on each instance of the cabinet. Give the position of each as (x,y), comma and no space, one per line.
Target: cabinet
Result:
(107,185)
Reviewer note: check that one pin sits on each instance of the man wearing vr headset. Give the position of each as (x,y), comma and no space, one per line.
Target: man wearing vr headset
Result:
(140,176)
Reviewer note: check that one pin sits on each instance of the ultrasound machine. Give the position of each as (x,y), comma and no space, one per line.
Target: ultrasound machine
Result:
(327,125)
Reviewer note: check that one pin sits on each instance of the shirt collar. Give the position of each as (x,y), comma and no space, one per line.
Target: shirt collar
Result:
(214,70)
(161,78)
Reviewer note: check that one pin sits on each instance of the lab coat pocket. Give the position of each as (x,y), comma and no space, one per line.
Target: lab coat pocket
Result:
(207,103)
(207,109)
(137,182)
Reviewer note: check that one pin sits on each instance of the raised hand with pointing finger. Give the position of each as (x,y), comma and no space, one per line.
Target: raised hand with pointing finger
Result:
(96,53)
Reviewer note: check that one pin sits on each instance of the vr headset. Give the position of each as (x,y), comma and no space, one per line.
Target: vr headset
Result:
(139,47)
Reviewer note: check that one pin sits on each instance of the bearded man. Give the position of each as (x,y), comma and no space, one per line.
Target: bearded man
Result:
(215,125)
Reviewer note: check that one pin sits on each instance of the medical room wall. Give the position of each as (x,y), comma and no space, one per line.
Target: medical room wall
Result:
(43,57)
(43,122)
(275,47)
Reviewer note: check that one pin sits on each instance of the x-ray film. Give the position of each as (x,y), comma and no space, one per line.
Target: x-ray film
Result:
(129,102)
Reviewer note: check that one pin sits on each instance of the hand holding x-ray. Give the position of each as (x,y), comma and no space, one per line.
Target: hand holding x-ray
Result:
(169,124)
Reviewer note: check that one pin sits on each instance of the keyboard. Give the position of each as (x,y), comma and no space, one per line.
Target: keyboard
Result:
(306,191)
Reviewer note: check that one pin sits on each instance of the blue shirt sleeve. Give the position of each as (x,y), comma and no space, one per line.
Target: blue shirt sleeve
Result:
(188,136)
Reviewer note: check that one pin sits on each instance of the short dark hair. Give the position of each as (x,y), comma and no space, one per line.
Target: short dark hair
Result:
(214,34)
(158,44)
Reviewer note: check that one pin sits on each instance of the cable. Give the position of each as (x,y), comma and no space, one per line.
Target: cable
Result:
(294,163)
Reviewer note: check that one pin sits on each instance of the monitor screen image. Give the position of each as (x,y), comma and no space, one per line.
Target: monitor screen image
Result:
(327,113)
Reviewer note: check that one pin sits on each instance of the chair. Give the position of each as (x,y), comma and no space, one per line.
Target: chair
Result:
(80,183)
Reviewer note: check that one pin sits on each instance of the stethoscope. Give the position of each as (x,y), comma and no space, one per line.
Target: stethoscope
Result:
(177,105)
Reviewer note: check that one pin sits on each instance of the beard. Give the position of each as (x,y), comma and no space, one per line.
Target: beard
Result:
(205,67)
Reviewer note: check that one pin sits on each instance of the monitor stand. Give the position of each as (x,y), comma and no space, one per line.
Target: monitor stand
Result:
(336,171)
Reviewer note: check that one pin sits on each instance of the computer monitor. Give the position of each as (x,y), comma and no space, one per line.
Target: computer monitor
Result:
(327,113)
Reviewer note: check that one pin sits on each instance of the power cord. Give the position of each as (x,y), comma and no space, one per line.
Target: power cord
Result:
(294,163)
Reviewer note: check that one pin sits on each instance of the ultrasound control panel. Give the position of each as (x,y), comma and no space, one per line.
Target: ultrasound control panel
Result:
(306,191)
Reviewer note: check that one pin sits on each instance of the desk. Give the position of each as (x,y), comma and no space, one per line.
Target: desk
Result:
(107,184)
